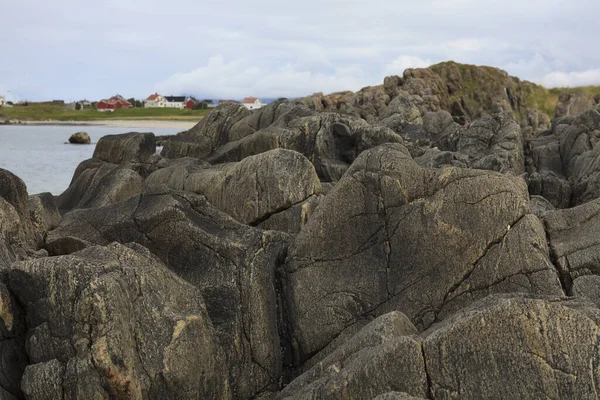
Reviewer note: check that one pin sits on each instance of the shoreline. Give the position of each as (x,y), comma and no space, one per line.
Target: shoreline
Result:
(124,123)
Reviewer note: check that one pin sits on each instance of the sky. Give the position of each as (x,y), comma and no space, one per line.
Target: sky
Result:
(73,49)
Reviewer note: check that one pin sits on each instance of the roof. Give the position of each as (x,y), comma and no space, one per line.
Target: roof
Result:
(175,99)
(249,100)
(153,97)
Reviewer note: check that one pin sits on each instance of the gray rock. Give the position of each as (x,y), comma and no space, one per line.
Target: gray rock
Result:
(133,329)
(80,138)
(210,133)
(294,218)
(132,147)
(44,214)
(44,381)
(100,186)
(397,396)
(250,191)
(233,265)
(515,347)
(540,205)
(13,359)
(587,286)
(394,236)
(572,104)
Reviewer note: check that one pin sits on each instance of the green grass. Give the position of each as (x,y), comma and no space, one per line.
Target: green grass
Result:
(58,112)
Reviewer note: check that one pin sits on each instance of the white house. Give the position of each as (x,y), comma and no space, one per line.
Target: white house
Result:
(155,101)
(2,101)
(252,103)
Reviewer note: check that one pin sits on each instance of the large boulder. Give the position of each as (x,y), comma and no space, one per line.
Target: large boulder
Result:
(233,265)
(44,214)
(16,229)
(210,133)
(394,236)
(99,185)
(250,191)
(515,347)
(114,322)
(132,147)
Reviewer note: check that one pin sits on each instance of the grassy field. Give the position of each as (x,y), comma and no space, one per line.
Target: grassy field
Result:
(58,112)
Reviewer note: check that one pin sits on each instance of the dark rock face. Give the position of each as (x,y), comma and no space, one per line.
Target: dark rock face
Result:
(372,226)
(233,265)
(210,133)
(250,191)
(538,347)
(103,185)
(80,138)
(13,359)
(16,231)
(122,326)
(563,164)
(131,147)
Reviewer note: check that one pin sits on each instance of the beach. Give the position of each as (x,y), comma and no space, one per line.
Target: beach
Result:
(140,123)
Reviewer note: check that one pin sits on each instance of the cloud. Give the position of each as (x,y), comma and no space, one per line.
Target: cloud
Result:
(571,79)
(401,63)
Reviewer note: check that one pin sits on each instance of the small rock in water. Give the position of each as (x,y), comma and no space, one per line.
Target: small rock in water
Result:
(80,138)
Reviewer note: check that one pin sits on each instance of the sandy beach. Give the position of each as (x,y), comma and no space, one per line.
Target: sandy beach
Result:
(137,123)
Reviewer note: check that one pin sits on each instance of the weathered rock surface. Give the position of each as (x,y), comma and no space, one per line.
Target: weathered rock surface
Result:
(233,265)
(394,236)
(99,186)
(133,147)
(16,231)
(80,138)
(13,359)
(564,166)
(250,191)
(114,322)
(572,104)
(210,133)
(44,214)
(517,347)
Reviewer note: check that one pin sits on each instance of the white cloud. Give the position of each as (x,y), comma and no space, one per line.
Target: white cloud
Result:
(571,79)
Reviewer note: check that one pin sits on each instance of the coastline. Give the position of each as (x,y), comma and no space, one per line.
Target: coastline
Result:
(124,123)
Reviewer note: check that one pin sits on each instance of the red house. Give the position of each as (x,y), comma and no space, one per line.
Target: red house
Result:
(113,103)
(190,103)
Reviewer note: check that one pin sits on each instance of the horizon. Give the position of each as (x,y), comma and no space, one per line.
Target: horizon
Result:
(76,51)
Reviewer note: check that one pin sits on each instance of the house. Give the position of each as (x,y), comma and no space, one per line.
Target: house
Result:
(252,103)
(155,101)
(176,101)
(190,103)
(113,104)
(2,101)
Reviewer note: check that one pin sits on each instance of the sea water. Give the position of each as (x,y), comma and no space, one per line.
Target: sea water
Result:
(38,153)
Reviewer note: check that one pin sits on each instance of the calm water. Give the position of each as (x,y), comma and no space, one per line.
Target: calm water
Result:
(39,155)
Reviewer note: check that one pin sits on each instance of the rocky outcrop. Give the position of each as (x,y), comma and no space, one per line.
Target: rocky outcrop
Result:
(80,138)
(44,214)
(233,265)
(369,247)
(563,163)
(251,191)
(122,326)
(572,104)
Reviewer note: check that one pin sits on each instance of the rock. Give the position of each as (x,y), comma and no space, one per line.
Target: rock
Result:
(210,133)
(518,347)
(555,190)
(572,104)
(492,143)
(574,240)
(133,147)
(80,138)
(435,158)
(294,218)
(127,328)
(13,359)
(100,186)
(15,225)
(44,214)
(587,286)
(336,375)
(250,191)
(540,205)
(396,396)
(538,120)
(233,265)
(161,139)
(394,236)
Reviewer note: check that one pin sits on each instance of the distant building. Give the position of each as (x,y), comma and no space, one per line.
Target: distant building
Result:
(155,101)
(180,102)
(252,103)
(112,104)
(2,101)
